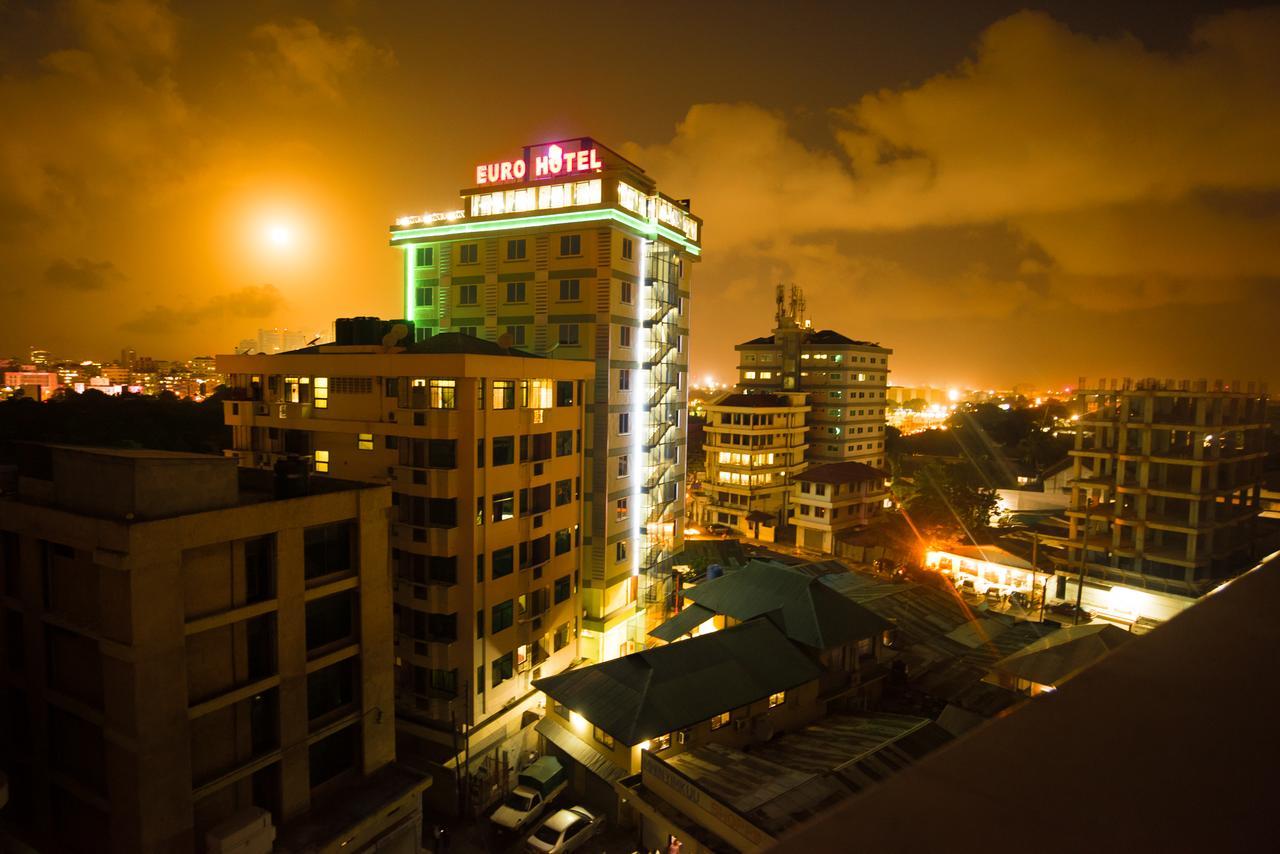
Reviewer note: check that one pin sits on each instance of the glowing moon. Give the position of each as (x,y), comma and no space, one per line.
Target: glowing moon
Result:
(279,235)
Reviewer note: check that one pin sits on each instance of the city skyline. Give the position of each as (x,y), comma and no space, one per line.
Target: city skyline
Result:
(162,198)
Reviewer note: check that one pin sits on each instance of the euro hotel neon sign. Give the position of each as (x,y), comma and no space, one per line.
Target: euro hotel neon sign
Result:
(554,163)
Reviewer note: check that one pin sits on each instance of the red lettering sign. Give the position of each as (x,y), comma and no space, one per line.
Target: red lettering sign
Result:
(555,162)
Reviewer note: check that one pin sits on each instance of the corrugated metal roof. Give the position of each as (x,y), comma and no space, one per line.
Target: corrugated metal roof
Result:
(683,623)
(798,602)
(1055,658)
(671,687)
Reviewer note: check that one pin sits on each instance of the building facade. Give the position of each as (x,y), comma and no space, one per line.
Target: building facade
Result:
(569,248)
(188,646)
(834,497)
(755,446)
(846,381)
(483,449)
(1165,494)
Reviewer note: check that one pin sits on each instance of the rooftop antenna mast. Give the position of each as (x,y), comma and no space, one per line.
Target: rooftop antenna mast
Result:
(778,298)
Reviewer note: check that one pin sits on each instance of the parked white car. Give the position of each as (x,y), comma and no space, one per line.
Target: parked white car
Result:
(565,830)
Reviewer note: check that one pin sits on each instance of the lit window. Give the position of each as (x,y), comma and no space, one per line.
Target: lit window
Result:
(777,699)
(602,737)
(444,394)
(321,387)
(504,394)
(364,441)
(322,460)
(622,509)
(660,742)
(538,394)
(750,375)
(719,721)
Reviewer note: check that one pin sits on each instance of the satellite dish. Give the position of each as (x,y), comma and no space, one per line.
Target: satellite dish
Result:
(505,341)
(395,335)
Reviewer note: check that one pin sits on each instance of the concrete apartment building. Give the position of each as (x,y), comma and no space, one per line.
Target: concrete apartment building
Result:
(196,652)
(568,248)
(483,449)
(831,498)
(755,446)
(846,381)
(1165,495)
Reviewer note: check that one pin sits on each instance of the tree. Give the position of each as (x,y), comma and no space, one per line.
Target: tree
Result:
(947,501)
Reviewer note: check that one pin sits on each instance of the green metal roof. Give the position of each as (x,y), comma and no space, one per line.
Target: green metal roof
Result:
(805,608)
(672,687)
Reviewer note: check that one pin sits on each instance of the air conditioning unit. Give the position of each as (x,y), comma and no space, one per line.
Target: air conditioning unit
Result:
(248,831)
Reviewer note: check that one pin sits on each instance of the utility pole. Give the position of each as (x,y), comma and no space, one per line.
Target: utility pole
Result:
(1084,553)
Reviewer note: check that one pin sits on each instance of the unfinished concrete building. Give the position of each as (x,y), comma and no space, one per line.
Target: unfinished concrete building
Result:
(1167,480)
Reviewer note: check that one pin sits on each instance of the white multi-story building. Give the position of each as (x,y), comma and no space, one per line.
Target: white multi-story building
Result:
(569,248)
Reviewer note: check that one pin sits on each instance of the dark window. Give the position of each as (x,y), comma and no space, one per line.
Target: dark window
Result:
(564,392)
(15,641)
(564,541)
(570,290)
(571,244)
(468,295)
(442,512)
(504,450)
(480,453)
(468,253)
(9,563)
(442,569)
(503,615)
(515,291)
(423,296)
(564,443)
(331,689)
(569,335)
(541,446)
(328,549)
(426,256)
(442,453)
(331,756)
(628,248)
(515,250)
(480,624)
(259,568)
(563,588)
(504,506)
(540,499)
(502,669)
(503,562)
(331,620)
(539,551)
(564,492)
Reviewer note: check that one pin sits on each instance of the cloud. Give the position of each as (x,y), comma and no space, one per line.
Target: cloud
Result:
(94,118)
(301,59)
(1126,177)
(82,274)
(250,301)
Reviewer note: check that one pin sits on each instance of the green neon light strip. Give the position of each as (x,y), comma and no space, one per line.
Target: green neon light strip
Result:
(408,281)
(652,229)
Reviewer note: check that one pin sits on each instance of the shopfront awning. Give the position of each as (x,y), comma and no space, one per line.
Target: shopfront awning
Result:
(578,751)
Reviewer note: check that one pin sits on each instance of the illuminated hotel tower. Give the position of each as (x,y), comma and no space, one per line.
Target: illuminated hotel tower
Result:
(570,249)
